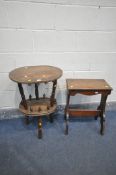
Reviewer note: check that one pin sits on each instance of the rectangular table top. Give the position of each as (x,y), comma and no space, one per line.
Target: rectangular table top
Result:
(87,84)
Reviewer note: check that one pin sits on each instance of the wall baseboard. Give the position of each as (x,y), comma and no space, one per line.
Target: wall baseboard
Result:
(15,113)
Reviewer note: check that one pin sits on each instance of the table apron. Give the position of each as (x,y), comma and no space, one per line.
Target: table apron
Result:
(89,92)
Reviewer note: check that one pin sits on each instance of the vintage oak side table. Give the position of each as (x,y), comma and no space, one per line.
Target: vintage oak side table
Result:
(38,106)
(87,87)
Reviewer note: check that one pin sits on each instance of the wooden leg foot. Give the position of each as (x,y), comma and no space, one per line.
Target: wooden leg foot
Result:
(40,128)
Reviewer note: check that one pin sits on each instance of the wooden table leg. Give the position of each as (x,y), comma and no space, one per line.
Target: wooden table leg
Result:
(102,122)
(67,105)
(96,117)
(39,127)
(52,98)
(22,95)
(66,123)
(66,116)
(36,91)
(102,113)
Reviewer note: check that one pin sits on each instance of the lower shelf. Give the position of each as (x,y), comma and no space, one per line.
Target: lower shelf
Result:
(83,112)
(38,107)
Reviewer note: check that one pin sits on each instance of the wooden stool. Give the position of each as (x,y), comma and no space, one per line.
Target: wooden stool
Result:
(87,87)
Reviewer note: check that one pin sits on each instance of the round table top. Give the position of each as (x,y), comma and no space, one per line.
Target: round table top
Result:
(35,74)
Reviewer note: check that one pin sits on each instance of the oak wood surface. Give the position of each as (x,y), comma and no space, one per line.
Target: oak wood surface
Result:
(35,74)
(87,84)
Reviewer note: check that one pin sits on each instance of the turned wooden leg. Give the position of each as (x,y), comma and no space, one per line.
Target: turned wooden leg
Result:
(67,105)
(66,116)
(22,95)
(52,98)
(66,123)
(36,91)
(39,128)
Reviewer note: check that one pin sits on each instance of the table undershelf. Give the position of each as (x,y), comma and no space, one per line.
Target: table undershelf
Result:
(83,112)
(38,107)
